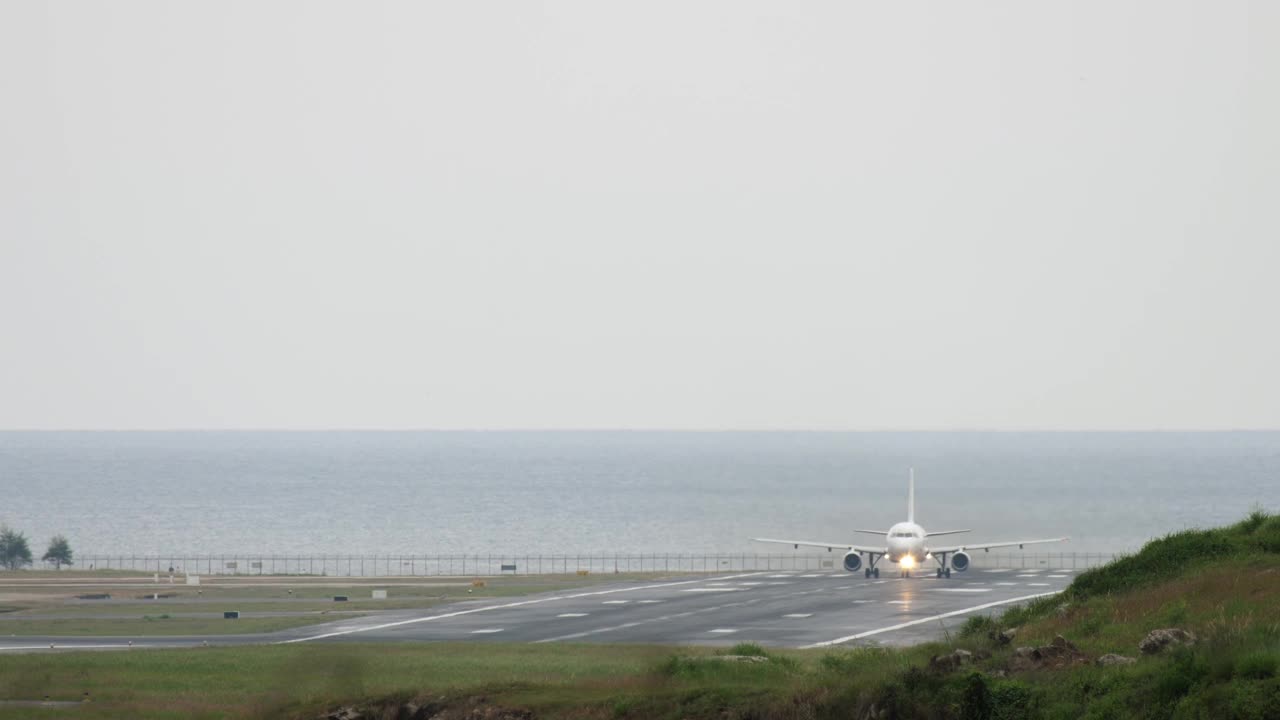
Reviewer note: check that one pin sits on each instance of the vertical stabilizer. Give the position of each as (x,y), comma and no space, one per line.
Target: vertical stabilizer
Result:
(911,496)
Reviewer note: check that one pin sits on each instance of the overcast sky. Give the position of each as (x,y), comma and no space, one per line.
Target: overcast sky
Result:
(721,214)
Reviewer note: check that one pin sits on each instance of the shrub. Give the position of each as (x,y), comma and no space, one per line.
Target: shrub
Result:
(978,626)
(748,648)
(1257,666)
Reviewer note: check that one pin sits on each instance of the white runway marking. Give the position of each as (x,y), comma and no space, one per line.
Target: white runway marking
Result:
(81,647)
(486,631)
(615,602)
(799,615)
(573,614)
(777,582)
(812,575)
(1038,584)
(859,602)
(997,571)
(963,590)
(521,603)
(899,602)
(705,589)
(757,582)
(934,618)
(1006,584)
(648,602)
(1056,576)
(783,575)
(1027,576)
(723,631)
(844,587)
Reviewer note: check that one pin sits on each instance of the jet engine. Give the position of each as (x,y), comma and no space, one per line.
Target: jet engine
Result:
(853,561)
(960,561)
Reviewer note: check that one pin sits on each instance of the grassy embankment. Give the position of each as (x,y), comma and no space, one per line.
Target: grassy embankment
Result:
(1223,584)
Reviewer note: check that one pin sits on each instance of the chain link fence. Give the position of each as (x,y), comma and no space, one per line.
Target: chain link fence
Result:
(489,565)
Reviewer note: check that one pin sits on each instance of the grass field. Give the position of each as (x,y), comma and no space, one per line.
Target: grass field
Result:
(1222,584)
(45,602)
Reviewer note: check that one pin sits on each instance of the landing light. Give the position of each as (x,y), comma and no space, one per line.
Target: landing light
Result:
(908,562)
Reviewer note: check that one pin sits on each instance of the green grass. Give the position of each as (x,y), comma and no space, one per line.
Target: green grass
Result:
(158,624)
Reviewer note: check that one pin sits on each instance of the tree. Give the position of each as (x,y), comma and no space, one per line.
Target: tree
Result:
(59,552)
(14,550)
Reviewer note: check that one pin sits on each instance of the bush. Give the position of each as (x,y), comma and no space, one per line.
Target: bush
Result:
(978,626)
(747,648)
(1257,666)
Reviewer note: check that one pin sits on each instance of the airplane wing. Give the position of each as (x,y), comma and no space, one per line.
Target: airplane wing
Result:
(881,533)
(829,546)
(946,532)
(988,546)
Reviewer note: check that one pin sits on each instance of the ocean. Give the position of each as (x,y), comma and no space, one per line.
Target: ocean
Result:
(156,493)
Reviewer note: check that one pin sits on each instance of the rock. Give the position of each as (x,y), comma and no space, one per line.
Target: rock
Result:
(730,658)
(346,713)
(1005,637)
(950,661)
(1059,653)
(1158,640)
(1113,659)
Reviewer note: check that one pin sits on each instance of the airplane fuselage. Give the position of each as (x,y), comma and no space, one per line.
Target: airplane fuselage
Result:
(906,541)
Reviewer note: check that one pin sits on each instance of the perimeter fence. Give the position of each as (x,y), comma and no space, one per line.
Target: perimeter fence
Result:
(394,565)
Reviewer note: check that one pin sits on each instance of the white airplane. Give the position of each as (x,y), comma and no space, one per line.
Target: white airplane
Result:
(907,544)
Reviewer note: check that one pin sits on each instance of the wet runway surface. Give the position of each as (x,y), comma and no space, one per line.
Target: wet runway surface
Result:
(780,609)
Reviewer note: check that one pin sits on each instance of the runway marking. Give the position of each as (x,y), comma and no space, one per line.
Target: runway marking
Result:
(899,602)
(997,571)
(1006,584)
(963,590)
(705,589)
(664,618)
(879,582)
(783,575)
(1027,576)
(859,602)
(723,631)
(811,575)
(1056,576)
(521,603)
(798,615)
(82,647)
(486,631)
(934,618)
(777,582)
(615,602)
(648,602)
(756,582)
(1039,584)
(573,614)
(844,587)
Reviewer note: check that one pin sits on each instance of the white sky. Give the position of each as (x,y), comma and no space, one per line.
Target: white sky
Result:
(721,214)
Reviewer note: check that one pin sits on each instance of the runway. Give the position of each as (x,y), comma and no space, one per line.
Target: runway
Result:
(778,609)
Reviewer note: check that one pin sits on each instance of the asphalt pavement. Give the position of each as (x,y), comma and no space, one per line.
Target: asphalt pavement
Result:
(779,609)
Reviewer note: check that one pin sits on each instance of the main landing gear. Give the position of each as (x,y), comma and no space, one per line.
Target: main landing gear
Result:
(943,570)
(872,571)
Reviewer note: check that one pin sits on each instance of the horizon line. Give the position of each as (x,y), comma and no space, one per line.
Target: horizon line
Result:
(632,430)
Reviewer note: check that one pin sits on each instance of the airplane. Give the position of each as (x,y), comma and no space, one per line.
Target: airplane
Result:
(907,545)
